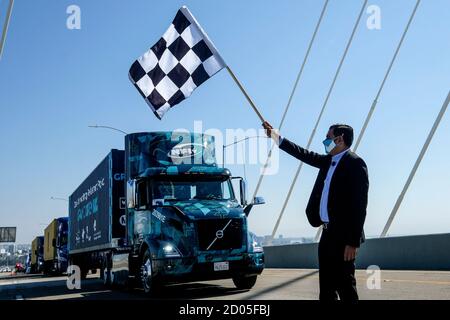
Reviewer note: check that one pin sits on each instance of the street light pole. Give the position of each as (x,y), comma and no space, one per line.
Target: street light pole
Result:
(232,144)
(107,127)
(61,199)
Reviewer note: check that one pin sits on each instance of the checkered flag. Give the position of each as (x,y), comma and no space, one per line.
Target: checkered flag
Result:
(176,65)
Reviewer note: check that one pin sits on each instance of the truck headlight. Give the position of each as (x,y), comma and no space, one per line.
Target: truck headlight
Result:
(170,251)
(253,243)
(257,247)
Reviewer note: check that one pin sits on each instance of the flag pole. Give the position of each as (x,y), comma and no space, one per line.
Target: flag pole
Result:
(5,26)
(416,165)
(249,99)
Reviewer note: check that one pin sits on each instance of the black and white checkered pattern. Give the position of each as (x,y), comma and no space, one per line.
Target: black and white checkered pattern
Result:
(176,65)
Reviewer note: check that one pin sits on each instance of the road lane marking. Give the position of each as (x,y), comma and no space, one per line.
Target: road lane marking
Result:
(446,283)
(70,295)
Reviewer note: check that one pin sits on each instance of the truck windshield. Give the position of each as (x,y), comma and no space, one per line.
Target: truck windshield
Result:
(163,190)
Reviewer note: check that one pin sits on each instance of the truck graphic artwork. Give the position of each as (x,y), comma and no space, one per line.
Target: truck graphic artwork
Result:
(91,204)
(85,196)
(88,209)
(186,150)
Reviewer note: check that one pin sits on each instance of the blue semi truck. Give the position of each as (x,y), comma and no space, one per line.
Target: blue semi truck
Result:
(162,211)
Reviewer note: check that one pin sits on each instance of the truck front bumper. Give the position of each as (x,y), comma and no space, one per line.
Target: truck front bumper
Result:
(189,269)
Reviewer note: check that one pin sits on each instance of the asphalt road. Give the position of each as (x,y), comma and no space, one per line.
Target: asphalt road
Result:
(283,284)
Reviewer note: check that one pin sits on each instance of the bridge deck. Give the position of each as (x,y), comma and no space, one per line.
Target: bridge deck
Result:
(272,284)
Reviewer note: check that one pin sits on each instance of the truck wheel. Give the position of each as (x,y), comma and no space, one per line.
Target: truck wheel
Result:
(147,282)
(244,282)
(106,271)
(105,275)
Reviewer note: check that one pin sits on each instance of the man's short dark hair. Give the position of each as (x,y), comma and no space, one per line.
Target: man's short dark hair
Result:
(345,131)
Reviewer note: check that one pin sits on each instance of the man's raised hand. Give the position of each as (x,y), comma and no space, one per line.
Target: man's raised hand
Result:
(271,132)
(268,127)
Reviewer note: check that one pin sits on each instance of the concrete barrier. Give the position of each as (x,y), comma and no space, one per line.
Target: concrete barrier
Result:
(422,252)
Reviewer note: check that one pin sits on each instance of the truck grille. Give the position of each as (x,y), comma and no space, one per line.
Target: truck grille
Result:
(209,231)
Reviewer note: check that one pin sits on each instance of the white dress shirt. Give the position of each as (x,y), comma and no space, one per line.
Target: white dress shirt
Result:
(326,188)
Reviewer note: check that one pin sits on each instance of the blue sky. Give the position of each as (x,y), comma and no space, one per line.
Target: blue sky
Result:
(54,82)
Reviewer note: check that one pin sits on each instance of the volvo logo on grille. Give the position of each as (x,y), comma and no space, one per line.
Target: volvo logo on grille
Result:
(219,234)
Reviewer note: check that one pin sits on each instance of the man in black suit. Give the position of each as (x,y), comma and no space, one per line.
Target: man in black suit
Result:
(338,202)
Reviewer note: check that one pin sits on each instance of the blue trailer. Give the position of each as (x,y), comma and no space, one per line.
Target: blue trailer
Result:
(97,216)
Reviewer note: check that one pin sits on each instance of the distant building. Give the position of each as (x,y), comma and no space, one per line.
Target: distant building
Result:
(281,240)
(12,249)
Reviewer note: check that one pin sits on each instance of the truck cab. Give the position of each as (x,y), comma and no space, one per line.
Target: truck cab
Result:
(37,255)
(55,246)
(184,219)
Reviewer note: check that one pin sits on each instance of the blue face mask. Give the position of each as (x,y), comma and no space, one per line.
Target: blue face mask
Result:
(329,144)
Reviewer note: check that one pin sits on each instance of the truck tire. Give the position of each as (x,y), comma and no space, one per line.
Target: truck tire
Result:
(106,276)
(244,282)
(147,281)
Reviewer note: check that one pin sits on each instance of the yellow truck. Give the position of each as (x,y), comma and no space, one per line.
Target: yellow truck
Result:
(55,246)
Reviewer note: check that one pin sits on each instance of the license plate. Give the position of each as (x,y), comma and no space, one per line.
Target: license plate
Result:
(221,266)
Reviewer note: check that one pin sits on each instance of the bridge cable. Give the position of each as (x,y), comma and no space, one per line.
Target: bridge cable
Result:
(375,101)
(258,185)
(5,26)
(350,40)
(416,165)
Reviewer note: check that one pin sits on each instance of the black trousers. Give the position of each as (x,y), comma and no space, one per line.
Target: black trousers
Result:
(336,276)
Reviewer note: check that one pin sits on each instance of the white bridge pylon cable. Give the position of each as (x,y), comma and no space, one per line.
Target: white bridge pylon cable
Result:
(375,101)
(416,166)
(297,80)
(325,103)
(372,108)
(5,26)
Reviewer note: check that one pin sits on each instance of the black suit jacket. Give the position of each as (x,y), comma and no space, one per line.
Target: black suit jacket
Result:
(347,197)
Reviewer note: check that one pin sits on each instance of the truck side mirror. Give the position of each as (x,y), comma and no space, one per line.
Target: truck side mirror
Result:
(259,200)
(243,192)
(141,195)
(131,194)
(54,243)
(256,201)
